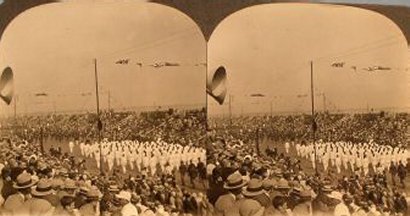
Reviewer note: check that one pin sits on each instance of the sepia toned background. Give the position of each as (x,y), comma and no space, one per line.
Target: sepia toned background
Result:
(269,65)
(145,53)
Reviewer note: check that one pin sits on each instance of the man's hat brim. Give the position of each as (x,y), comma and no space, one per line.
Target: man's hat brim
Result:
(33,182)
(227,187)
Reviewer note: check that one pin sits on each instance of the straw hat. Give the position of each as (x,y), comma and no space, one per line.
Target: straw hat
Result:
(43,188)
(283,184)
(124,195)
(305,193)
(268,184)
(254,188)
(69,184)
(248,157)
(57,183)
(327,188)
(234,181)
(113,188)
(84,190)
(336,195)
(24,180)
(93,194)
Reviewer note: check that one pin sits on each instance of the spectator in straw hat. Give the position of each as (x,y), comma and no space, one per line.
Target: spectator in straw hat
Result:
(342,209)
(67,207)
(81,197)
(92,206)
(128,209)
(251,204)
(38,204)
(68,188)
(226,204)
(282,189)
(256,187)
(108,198)
(160,211)
(23,185)
(304,205)
(279,208)
(53,198)
(269,188)
(324,203)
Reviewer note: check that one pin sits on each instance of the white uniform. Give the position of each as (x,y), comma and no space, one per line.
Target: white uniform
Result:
(287,147)
(82,149)
(71,146)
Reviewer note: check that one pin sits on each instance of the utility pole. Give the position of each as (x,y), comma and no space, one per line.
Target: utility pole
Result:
(15,107)
(324,102)
(230,109)
(99,123)
(258,142)
(109,100)
(54,107)
(42,139)
(314,126)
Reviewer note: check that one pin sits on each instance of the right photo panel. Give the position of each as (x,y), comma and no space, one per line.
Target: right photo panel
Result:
(308,112)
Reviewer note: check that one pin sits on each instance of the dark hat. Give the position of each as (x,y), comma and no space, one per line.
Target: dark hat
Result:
(305,193)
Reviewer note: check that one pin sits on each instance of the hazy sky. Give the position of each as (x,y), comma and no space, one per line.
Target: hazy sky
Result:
(267,49)
(51,49)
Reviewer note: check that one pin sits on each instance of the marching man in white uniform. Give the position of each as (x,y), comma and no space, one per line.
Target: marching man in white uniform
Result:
(287,147)
(71,146)
(82,148)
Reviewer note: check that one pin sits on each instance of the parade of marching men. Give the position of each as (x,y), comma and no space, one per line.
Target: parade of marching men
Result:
(204,108)
(289,177)
(108,117)
(308,110)
(142,156)
(59,176)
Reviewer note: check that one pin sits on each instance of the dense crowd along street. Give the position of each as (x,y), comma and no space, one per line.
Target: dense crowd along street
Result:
(161,171)
(116,126)
(361,166)
(383,128)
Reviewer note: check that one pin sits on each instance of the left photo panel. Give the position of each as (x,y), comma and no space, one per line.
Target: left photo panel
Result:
(103,104)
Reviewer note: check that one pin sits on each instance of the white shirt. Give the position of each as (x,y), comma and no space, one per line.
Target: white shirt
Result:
(129,210)
(341,210)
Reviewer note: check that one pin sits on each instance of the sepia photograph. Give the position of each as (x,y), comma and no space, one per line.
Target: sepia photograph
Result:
(204,107)
(103,110)
(308,112)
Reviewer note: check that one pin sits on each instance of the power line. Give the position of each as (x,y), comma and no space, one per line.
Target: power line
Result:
(152,44)
(378,44)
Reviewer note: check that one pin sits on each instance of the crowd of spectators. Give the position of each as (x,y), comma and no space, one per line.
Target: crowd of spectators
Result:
(51,182)
(172,126)
(383,128)
(244,181)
